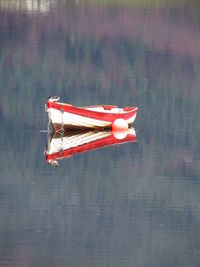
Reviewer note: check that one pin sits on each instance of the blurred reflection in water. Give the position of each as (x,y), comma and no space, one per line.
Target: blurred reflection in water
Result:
(66,144)
(41,6)
(130,205)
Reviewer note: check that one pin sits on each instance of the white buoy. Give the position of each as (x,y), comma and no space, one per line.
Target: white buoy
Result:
(119,125)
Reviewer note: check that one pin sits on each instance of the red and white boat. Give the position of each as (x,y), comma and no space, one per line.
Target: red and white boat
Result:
(73,142)
(65,116)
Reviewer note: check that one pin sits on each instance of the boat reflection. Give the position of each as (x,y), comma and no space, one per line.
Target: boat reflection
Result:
(64,145)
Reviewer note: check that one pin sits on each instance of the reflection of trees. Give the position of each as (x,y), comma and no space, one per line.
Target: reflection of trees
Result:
(126,204)
(80,54)
(90,63)
(28,5)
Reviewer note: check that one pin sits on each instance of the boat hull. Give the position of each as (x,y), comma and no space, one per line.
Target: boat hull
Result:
(67,117)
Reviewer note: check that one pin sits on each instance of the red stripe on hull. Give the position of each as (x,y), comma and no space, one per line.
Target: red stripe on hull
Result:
(110,117)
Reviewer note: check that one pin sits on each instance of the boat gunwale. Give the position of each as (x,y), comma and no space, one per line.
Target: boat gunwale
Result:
(83,111)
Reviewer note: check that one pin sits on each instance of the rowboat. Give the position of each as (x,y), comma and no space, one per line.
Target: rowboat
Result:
(67,117)
(64,145)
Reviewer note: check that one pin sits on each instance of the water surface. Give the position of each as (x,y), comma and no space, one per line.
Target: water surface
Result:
(136,204)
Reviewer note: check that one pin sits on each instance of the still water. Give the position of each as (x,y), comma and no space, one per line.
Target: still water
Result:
(134,204)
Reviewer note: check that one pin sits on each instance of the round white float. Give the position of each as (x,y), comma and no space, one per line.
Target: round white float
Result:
(119,125)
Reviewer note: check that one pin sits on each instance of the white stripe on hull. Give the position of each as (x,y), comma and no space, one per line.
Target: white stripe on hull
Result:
(66,118)
(131,120)
(58,117)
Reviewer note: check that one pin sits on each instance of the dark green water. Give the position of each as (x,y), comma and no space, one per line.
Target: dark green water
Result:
(137,204)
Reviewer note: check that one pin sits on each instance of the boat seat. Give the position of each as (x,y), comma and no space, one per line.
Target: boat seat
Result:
(109,107)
